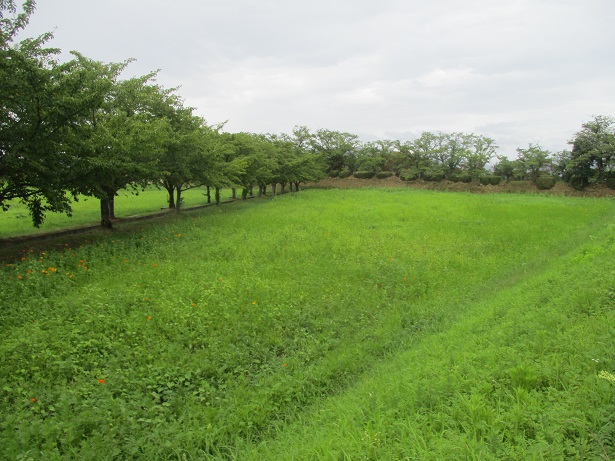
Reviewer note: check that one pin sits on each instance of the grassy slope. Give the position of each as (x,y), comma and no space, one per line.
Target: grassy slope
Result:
(428,316)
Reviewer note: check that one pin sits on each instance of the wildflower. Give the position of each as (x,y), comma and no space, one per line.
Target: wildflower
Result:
(149,317)
(101,381)
(125,260)
(81,261)
(52,269)
(32,400)
(284,364)
(253,302)
(19,277)
(29,271)
(147,299)
(155,265)
(193,304)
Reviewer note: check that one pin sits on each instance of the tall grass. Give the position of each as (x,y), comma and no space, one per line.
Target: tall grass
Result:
(358,324)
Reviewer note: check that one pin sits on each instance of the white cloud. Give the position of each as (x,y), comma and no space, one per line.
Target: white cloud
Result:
(520,72)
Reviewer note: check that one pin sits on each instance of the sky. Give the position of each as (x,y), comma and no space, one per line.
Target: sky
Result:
(517,71)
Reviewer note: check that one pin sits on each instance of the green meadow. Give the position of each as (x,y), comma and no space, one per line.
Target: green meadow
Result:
(360,324)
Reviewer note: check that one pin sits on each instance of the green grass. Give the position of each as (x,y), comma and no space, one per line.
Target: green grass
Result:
(356,324)
(86,211)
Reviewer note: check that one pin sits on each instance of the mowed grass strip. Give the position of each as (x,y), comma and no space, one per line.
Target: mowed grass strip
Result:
(221,334)
(16,220)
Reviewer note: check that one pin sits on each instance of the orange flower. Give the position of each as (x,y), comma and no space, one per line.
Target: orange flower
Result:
(32,400)
(155,265)
(19,277)
(193,304)
(101,381)
(284,365)
(149,317)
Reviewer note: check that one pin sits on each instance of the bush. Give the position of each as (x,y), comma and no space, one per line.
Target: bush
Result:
(490,179)
(610,182)
(364,174)
(344,173)
(334,173)
(384,174)
(433,176)
(545,182)
(408,175)
(461,177)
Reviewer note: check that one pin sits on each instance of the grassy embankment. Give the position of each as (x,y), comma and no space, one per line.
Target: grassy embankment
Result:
(359,324)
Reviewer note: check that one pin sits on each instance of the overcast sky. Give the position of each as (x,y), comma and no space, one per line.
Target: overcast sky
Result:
(518,71)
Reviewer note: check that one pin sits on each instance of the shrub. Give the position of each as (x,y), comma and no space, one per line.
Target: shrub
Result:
(364,174)
(384,174)
(610,182)
(408,175)
(334,173)
(490,179)
(545,182)
(461,177)
(344,173)
(433,176)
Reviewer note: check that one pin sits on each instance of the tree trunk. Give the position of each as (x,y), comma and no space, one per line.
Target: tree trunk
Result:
(105,215)
(233,193)
(282,187)
(296,186)
(208,194)
(244,194)
(251,190)
(274,186)
(171,192)
(111,198)
(178,201)
(217,194)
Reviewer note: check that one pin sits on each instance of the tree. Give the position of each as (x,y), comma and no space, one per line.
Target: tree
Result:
(593,151)
(122,142)
(337,148)
(42,103)
(504,168)
(534,160)
(479,151)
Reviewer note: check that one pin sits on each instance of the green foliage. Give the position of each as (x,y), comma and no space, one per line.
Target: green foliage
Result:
(480,327)
(544,182)
(409,174)
(344,173)
(334,173)
(579,182)
(463,177)
(433,175)
(610,182)
(363,174)
(490,180)
(384,174)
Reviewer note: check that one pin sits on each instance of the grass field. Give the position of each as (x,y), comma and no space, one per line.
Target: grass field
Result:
(338,325)
(16,221)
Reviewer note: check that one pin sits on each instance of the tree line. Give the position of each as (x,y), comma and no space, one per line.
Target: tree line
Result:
(76,128)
